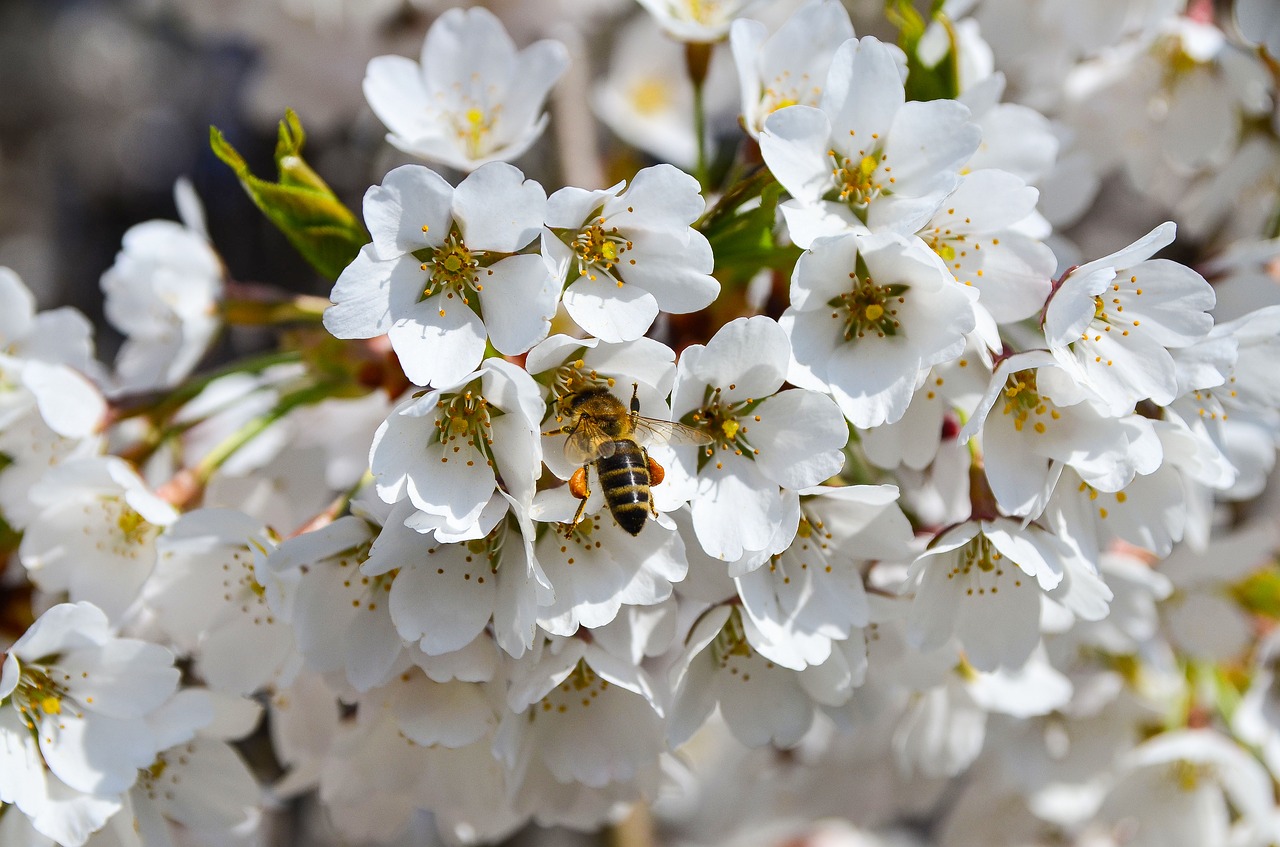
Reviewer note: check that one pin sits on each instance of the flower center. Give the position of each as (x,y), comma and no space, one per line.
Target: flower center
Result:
(1023,402)
(37,693)
(465,419)
(473,127)
(649,96)
(600,249)
(579,689)
(868,307)
(453,269)
(858,180)
(721,421)
(982,566)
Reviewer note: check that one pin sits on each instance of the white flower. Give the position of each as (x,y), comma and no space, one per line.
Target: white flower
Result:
(869,316)
(811,595)
(1191,788)
(600,567)
(1047,421)
(213,596)
(983,235)
(474,99)
(1259,23)
(341,619)
(95,534)
(865,157)
(49,410)
(446,450)
(696,20)
(982,582)
(645,97)
(789,67)
(575,691)
(162,293)
(628,254)
(1112,321)
(443,595)
(761,701)
(441,261)
(764,440)
(84,696)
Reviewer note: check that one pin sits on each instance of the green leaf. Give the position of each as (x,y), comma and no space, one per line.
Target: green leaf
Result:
(745,243)
(1260,592)
(300,203)
(925,82)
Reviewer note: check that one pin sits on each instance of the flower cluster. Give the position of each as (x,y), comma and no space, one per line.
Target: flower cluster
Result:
(831,459)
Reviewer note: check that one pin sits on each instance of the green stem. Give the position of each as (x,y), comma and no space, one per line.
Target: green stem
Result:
(251,430)
(304,308)
(159,408)
(697,59)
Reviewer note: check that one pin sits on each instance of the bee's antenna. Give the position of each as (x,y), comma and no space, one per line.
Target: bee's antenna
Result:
(635,399)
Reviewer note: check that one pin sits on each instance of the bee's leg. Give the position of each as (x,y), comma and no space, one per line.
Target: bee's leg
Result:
(635,401)
(578,487)
(656,475)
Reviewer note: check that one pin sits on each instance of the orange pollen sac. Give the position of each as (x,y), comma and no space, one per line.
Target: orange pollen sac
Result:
(578,484)
(656,472)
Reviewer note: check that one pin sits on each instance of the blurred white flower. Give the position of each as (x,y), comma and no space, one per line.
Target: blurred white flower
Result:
(473,99)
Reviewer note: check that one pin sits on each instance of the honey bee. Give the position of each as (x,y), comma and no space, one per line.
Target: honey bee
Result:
(601,431)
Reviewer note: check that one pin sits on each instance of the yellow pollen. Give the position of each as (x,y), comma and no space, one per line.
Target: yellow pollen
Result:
(874,312)
(51,705)
(729,428)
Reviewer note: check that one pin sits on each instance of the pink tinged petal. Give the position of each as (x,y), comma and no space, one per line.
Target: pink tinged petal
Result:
(498,209)
(394,88)
(94,753)
(443,601)
(662,198)
(800,437)
(124,678)
(864,93)
(409,211)
(518,302)
(736,510)
(611,312)
(437,349)
(794,146)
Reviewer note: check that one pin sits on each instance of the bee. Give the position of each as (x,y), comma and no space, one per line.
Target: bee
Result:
(601,431)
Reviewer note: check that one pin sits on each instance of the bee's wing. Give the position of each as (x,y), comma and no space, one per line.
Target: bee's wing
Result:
(586,443)
(653,431)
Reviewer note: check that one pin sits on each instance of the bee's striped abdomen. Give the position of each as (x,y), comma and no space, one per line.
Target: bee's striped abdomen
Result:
(624,479)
